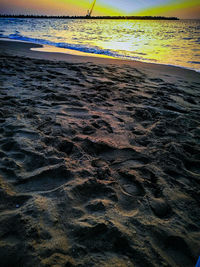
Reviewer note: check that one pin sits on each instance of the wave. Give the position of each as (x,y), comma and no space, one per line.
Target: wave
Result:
(194,62)
(77,47)
(92,50)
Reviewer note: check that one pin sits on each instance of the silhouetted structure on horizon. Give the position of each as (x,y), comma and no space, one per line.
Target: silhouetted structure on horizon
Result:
(89,13)
(90,17)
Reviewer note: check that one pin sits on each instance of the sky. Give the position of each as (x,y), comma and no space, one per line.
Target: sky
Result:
(179,8)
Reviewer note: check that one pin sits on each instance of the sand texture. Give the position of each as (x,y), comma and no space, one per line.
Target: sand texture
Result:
(99,166)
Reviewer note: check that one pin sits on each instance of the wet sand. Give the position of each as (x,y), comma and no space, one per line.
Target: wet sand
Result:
(99,161)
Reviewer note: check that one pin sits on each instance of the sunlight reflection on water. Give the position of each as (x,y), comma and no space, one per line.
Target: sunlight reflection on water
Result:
(166,42)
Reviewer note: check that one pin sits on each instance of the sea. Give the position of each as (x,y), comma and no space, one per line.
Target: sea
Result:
(169,42)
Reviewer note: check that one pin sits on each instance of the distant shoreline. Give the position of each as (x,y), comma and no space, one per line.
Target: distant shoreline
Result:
(96,17)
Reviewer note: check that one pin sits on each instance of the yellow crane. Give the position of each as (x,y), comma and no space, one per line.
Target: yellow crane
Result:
(89,12)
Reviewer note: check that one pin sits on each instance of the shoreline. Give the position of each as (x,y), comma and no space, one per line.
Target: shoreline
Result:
(33,50)
(99,161)
(54,49)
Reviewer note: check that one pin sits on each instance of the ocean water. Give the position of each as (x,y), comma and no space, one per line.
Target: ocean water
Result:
(166,42)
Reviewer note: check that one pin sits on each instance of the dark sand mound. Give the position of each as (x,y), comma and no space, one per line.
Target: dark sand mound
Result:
(100,166)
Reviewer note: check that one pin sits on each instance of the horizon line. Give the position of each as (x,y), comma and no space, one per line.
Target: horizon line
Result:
(87,17)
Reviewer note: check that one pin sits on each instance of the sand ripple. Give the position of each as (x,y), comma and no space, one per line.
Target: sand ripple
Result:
(100,166)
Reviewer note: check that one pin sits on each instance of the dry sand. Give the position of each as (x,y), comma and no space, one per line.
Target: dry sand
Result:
(99,161)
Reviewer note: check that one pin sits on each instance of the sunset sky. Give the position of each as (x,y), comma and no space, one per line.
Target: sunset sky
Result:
(179,8)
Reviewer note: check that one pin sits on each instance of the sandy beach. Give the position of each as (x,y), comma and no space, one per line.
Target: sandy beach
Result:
(99,161)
